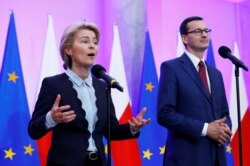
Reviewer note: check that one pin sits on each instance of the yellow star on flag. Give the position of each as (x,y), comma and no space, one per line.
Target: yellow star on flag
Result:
(162,150)
(13,77)
(147,154)
(28,150)
(149,86)
(9,154)
(228,149)
(106,149)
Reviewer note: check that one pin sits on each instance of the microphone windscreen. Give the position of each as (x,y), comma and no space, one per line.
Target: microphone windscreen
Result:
(96,70)
(223,51)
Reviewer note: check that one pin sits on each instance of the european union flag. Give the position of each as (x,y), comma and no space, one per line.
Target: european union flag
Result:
(16,148)
(210,55)
(153,136)
(210,60)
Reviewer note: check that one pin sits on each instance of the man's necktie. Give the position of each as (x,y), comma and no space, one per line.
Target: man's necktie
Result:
(202,72)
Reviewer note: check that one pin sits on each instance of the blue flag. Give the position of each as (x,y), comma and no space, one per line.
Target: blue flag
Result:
(16,147)
(210,60)
(210,55)
(153,137)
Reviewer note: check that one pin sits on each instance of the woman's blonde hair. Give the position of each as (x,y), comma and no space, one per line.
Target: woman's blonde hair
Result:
(68,38)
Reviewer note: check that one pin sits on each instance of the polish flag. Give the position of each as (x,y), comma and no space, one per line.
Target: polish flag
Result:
(180,45)
(245,116)
(124,152)
(49,67)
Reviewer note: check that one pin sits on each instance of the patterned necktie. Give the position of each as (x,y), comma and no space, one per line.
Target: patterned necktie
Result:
(202,72)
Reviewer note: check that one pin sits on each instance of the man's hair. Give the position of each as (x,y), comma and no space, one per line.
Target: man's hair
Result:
(184,28)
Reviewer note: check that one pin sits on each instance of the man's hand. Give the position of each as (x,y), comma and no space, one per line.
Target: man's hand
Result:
(219,131)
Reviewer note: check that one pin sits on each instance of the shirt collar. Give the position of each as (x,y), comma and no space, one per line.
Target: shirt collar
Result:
(78,80)
(88,81)
(194,59)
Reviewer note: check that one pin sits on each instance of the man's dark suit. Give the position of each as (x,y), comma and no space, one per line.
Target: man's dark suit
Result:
(70,140)
(184,106)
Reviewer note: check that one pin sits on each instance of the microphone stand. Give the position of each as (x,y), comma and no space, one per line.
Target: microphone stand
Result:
(108,93)
(239,116)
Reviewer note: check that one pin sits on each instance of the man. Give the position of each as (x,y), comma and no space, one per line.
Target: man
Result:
(192,103)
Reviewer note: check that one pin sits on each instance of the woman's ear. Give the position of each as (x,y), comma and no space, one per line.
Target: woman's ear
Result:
(68,51)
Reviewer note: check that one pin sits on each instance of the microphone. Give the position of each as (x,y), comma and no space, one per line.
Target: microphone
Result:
(100,72)
(225,52)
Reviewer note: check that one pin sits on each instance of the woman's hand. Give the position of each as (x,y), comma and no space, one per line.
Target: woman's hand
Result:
(136,123)
(62,114)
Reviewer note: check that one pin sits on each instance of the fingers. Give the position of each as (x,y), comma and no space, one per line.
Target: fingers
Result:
(132,125)
(137,124)
(219,131)
(227,131)
(226,134)
(68,116)
(64,108)
(223,139)
(146,121)
(226,127)
(62,114)
(65,117)
(142,112)
(57,101)
(58,110)
(221,120)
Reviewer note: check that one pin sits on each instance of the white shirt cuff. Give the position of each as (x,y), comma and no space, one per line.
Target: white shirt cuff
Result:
(49,121)
(204,130)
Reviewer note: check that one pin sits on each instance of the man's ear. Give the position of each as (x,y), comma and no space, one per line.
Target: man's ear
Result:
(184,39)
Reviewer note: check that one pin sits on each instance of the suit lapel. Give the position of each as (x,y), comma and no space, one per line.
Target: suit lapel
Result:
(192,72)
(70,93)
(101,102)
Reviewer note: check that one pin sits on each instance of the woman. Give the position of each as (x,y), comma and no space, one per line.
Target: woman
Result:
(73,105)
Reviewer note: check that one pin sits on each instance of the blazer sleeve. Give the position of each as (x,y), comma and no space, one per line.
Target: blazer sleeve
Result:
(167,107)
(46,98)
(119,131)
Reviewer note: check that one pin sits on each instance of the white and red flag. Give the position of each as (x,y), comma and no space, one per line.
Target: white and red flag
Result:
(180,46)
(245,116)
(50,66)
(124,152)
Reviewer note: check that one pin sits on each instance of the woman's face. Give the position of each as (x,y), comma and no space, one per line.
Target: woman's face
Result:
(84,49)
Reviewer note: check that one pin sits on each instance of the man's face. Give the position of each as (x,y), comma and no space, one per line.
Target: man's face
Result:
(198,36)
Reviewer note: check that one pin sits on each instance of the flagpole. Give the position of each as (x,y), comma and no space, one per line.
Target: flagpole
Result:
(239,116)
